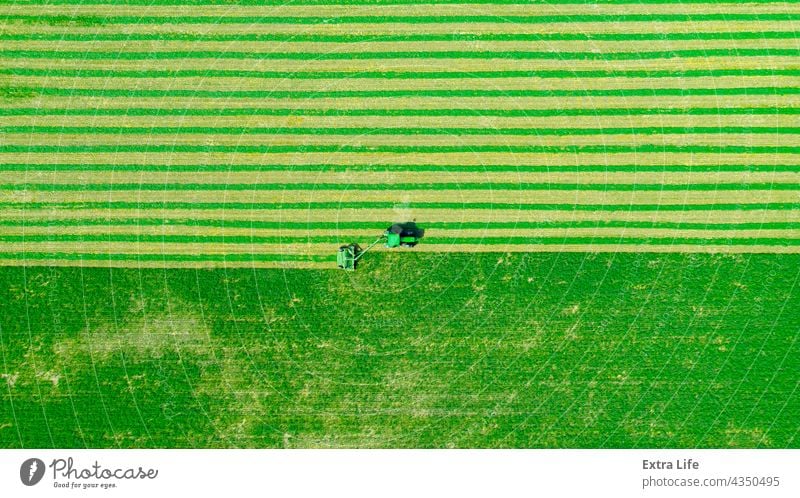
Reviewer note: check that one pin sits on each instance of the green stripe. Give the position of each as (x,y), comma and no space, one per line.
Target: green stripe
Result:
(258,257)
(497,206)
(409,149)
(444,168)
(449,54)
(86,20)
(656,241)
(396,37)
(249,111)
(177,239)
(326,239)
(12,92)
(374,225)
(313,75)
(227,187)
(346,130)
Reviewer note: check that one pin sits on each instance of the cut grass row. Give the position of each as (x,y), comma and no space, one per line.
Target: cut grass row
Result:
(713,170)
(443,186)
(750,239)
(314,85)
(168,223)
(399,112)
(382,160)
(504,42)
(22,91)
(376,125)
(163,257)
(444,54)
(412,50)
(61,72)
(709,143)
(410,104)
(347,130)
(410,178)
(22,214)
(168,237)
(397,37)
(348,3)
(590,200)
(446,206)
(753,63)
(366,20)
(407,149)
(78,27)
(426,9)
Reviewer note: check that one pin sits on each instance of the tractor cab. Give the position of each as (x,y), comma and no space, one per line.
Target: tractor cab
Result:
(399,235)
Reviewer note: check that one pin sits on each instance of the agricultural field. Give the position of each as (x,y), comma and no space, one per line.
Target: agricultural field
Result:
(610,193)
(262,134)
(464,350)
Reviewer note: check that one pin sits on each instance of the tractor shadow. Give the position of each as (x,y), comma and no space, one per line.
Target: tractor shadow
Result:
(408,229)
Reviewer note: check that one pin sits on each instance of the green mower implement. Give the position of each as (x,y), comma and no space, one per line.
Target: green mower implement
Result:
(397,235)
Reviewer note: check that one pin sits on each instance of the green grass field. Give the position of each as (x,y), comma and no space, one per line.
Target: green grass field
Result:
(413,350)
(610,192)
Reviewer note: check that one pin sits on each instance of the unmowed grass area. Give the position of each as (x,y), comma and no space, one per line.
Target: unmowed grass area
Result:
(412,350)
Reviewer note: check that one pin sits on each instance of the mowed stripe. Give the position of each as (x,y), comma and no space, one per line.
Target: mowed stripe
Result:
(425,178)
(165,114)
(546,87)
(245,36)
(599,199)
(465,171)
(454,125)
(438,12)
(385,94)
(398,130)
(372,218)
(227,16)
(349,33)
(277,132)
(764,63)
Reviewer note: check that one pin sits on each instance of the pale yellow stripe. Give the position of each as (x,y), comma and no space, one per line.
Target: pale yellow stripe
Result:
(459,65)
(379,140)
(487,158)
(475,103)
(387,178)
(368,235)
(170,248)
(426,9)
(168,264)
(375,84)
(413,196)
(610,248)
(484,122)
(399,28)
(480,159)
(422,216)
(267,47)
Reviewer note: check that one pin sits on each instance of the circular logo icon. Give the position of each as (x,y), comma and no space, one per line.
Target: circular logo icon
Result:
(31,471)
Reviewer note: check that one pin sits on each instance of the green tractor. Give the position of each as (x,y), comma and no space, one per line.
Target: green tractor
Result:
(397,235)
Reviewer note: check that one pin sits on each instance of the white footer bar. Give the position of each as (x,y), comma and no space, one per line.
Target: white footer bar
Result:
(399,473)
